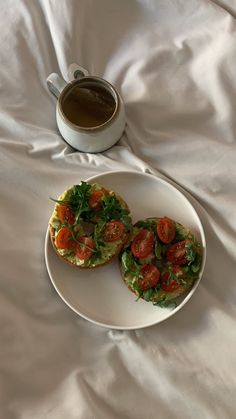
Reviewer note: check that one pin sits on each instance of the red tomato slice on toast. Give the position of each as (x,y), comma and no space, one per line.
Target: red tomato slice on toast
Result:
(143,244)
(150,277)
(166,230)
(176,253)
(114,230)
(169,284)
(64,239)
(95,199)
(84,249)
(65,214)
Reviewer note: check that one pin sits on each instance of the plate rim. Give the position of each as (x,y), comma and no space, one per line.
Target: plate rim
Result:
(47,243)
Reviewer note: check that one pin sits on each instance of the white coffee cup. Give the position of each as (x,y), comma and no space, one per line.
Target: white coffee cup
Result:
(89,134)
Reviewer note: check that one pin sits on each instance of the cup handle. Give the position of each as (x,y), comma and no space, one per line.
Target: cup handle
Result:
(56,84)
(75,71)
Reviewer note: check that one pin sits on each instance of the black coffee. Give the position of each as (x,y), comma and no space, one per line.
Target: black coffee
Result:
(88,105)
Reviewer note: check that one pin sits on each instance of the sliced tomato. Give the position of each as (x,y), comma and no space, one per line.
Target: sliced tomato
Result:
(95,199)
(142,244)
(65,214)
(151,275)
(169,284)
(84,249)
(166,230)
(176,253)
(64,239)
(114,230)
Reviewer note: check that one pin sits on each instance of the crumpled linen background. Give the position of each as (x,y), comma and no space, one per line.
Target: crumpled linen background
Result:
(174,64)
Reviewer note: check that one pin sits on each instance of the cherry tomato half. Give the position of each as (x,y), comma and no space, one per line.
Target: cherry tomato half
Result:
(171,285)
(64,239)
(114,230)
(166,230)
(95,199)
(177,253)
(65,214)
(142,244)
(84,249)
(150,278)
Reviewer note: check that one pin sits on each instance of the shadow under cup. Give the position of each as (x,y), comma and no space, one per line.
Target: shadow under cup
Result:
(89,103)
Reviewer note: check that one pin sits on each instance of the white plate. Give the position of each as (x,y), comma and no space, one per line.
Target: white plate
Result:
(100,295)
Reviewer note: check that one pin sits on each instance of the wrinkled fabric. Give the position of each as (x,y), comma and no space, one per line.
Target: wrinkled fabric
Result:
(174,64)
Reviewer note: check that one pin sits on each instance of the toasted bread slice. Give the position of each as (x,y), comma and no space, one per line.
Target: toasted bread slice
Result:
(161,261)
(89,225)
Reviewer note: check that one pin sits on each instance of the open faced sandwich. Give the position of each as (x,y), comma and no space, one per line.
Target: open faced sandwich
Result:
(161,261)
(89,225)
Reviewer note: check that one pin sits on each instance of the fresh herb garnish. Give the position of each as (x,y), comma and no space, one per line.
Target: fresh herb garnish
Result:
(193,257)
(151,292)
(77,199)
(164,303)
(98,234)
(96,255)
(112,210)
(181,232)
(190,252)
(148,294)
(160,249)
(149,224)
(130,265)
(196,265)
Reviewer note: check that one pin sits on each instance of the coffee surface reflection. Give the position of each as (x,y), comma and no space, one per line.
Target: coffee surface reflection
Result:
(88,105)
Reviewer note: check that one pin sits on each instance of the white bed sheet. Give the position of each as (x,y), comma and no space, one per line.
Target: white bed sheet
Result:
(174,64)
